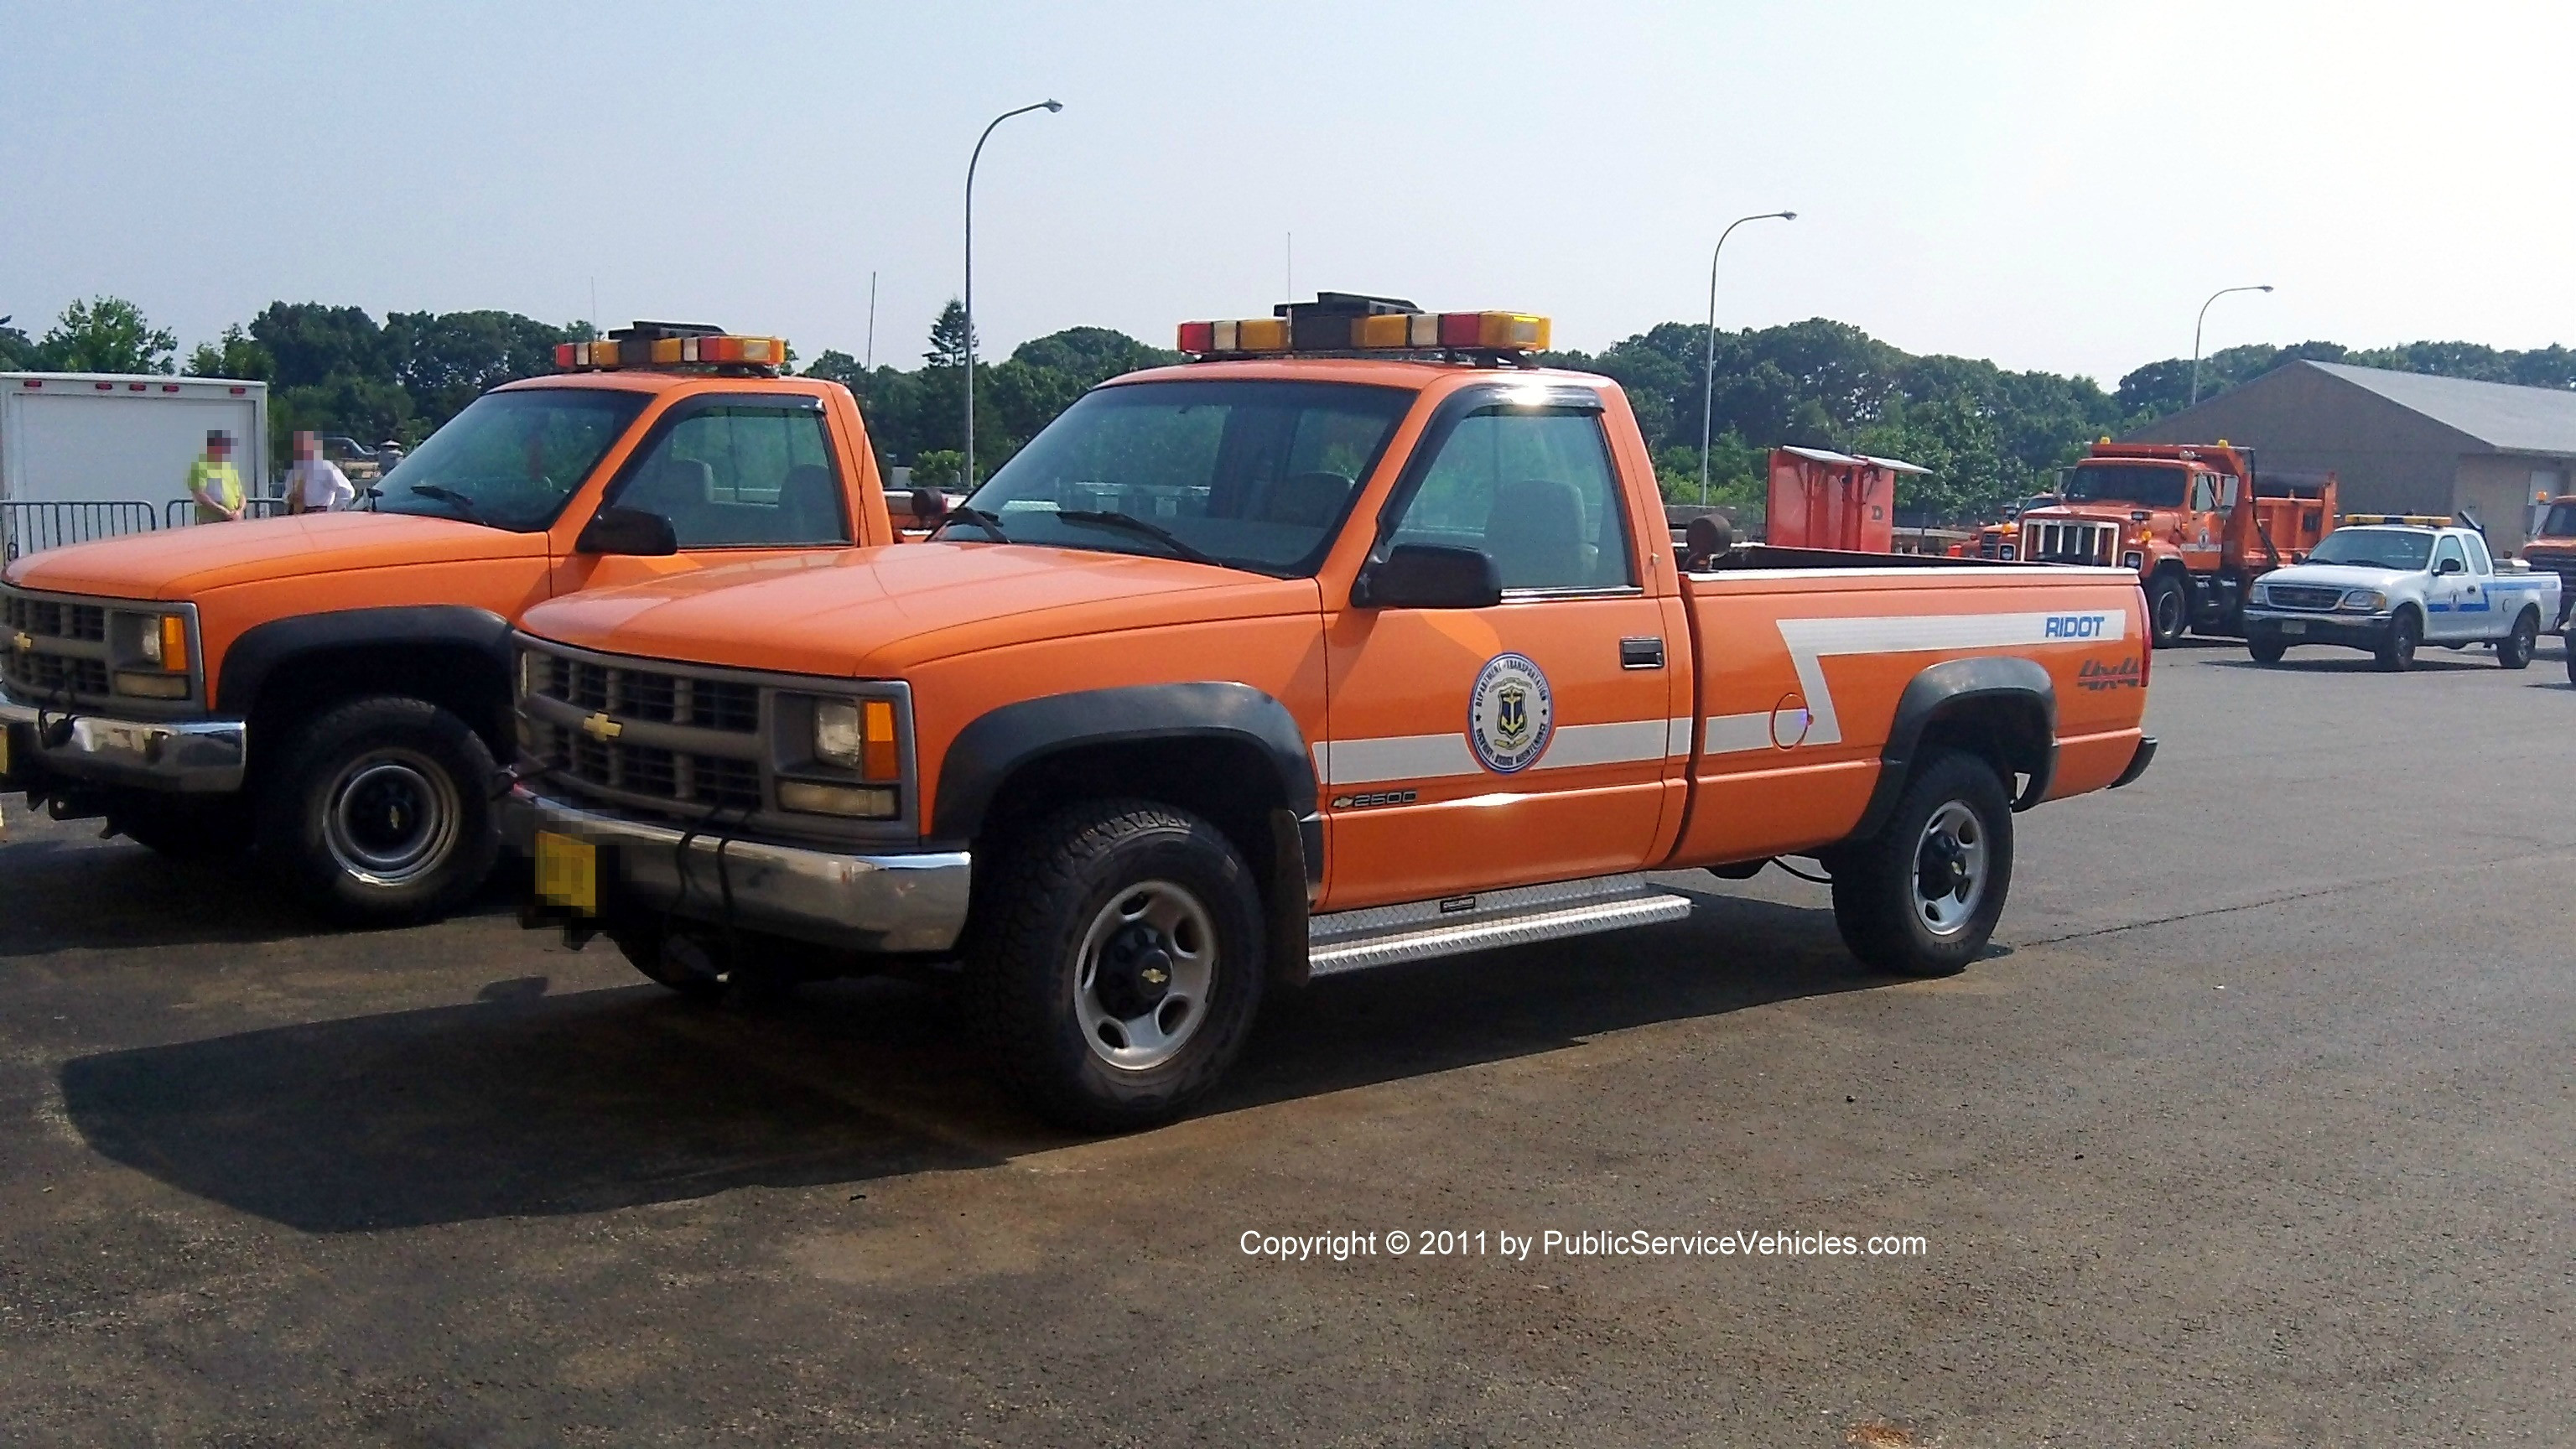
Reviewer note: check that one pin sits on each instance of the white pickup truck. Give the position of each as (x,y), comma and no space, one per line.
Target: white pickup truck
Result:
(2389,587)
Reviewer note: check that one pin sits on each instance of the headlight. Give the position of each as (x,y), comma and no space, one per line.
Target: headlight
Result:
(2363,601)
(2260,596)
(157,640)
(858,734)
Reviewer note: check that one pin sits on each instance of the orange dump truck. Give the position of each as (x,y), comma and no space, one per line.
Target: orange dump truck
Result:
(1357,640)
(2192,519)
(333,689)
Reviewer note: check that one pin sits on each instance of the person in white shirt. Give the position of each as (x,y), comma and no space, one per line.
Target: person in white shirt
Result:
(315,484)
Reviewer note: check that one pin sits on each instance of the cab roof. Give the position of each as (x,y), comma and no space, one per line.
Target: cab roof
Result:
(642,380)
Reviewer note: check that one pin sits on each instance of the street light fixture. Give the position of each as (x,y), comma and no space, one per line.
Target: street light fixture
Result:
(2195,332)
(1048,106)
(1708,373)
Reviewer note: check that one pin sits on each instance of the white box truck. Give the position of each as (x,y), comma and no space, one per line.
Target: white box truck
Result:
(86,455)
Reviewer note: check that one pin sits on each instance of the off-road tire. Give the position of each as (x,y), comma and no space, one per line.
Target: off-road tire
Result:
(424,742)
(1875,879)
(2514,650)
(182,827)
(2168,611)
(1050,883)
(2266,651)
(2396,653)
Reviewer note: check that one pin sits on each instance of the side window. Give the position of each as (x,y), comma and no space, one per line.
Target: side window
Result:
(2204,496)
(1533,490)
(2448,551)
(742,476)
(2480,561)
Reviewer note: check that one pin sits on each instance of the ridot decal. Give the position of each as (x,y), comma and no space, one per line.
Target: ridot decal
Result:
(1510,714)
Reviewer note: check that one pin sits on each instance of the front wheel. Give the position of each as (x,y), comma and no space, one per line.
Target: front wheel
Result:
(2514,650)
(2266,651)
(2396,653)
(1922,896)
(2168,611)
(1116,963)
(380,812)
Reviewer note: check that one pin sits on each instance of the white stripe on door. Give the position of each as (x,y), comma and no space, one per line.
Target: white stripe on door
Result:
(1434,757)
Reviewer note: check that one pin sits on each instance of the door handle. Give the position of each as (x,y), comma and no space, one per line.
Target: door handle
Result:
(1641,653)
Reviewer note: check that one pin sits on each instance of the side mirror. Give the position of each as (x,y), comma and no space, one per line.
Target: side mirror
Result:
(632,531)
(929,505)
(1430,576)
(2450,566)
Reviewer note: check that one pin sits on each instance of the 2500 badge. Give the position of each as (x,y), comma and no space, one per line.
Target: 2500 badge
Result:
(1379,797)
(2097,676)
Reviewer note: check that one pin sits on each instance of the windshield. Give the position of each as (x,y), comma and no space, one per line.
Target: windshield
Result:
(2142,483)
(2378,548)
(511,458)
(1252,475)
(2561,521)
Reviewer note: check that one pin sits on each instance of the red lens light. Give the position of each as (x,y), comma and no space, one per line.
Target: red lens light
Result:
(1461,329)
(563,354)
(1198,337)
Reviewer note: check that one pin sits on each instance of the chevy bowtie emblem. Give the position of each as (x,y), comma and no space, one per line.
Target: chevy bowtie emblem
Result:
(24,642)
(601,727)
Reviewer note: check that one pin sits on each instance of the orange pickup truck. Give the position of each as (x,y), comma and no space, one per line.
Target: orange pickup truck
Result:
(334,688)
(1356,640)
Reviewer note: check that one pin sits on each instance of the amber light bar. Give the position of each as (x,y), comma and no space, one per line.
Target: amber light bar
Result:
(1387,332)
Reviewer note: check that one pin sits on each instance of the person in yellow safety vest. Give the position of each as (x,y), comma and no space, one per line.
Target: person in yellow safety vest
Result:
(214,483)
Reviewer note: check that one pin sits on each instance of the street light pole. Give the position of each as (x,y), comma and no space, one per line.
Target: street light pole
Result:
(1708,373)
(1049,106)
(2195,332)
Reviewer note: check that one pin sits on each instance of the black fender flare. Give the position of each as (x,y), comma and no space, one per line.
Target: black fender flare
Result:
(264,648)
(997,744)
(1945,688)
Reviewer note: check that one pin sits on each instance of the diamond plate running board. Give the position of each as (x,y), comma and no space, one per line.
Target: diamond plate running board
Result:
(1421,930)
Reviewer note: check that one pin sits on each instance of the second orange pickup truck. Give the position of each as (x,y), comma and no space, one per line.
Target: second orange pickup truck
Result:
(331,690)
(1357,640)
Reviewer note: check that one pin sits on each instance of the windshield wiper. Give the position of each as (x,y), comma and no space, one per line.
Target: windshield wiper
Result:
(1181,548)
(449,496)
(964,513)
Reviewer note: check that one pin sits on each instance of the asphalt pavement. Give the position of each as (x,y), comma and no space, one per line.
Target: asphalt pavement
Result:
(2257,1127)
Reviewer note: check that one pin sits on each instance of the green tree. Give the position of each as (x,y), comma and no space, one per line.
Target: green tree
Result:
(107,334)
(236,356)
(17,352)
(949,337)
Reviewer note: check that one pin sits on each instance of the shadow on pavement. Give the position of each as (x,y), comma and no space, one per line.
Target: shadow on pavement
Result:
(521,1104)
(68,890)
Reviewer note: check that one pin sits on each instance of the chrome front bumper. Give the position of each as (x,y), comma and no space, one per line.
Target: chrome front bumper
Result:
(192,757)
(875,903)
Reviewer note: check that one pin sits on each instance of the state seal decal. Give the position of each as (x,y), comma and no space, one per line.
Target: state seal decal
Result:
(1510,714)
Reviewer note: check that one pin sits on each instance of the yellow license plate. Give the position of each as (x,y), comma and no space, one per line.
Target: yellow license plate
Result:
(568,872)
(4,752)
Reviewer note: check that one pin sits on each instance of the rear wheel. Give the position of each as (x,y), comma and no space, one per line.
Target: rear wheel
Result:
(2396,653)
(2514,650)
(1922,896)
(380,813)
(1116,963)
(2168,610)
(2266,651)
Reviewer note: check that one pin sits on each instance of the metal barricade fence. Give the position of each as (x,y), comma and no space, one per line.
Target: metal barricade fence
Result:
(28,527)
(180,512)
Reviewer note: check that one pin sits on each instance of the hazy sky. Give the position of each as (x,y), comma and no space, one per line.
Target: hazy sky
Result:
(2050,185)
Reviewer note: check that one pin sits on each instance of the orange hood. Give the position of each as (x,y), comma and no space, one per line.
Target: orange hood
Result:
(880,611)
(179,563)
